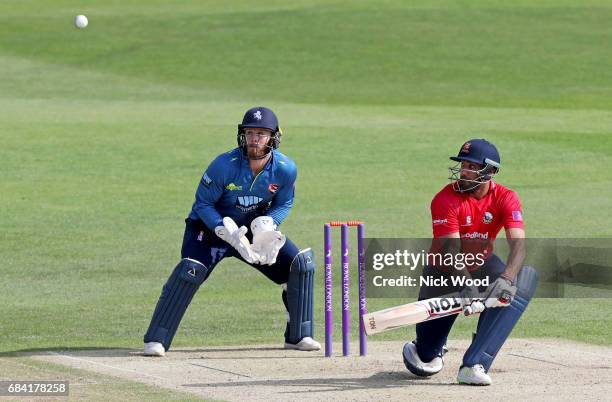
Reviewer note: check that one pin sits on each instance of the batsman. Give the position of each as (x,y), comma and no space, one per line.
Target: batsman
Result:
(469,213)
(250,186)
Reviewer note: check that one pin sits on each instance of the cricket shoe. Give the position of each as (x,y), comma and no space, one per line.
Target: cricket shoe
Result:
(154,349)
(307,344)
(416,366)
(475,375)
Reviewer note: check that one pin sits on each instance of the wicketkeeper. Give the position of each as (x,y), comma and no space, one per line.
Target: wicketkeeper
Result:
(472,209)
(249,186)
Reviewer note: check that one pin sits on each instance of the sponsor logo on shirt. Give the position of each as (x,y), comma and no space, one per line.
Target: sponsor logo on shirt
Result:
(273,188)
(233,187)
(206,180)
(487,218)
(517,216)
(440,221)
(248,203)
(475,235)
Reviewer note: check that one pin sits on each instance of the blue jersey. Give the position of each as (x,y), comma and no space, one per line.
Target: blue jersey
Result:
(229,188)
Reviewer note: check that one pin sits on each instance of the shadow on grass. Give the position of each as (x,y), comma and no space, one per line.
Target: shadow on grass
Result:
(81,351)
(97,351)
(228,349)
(380,380)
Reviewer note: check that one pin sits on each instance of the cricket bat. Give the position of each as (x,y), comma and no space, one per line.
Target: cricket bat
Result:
(412,313)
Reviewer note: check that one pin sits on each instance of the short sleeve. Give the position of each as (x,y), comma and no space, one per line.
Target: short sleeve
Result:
(444,216)
(512,211)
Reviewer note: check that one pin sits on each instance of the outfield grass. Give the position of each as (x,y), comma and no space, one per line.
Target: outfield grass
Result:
(84,385)
(106,131)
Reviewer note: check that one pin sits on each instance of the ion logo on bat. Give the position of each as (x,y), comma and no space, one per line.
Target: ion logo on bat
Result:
(443,305)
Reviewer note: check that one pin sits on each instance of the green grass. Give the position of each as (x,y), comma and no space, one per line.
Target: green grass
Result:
(85,385)
(105,133)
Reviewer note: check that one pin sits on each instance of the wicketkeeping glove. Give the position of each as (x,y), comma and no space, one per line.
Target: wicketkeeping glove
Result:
(267,241)
(236,238)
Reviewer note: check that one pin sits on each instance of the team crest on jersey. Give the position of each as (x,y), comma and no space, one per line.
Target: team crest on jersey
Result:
(248,203)
(487,218)
(468,220)
(273,188)
(466,148)
(258,115)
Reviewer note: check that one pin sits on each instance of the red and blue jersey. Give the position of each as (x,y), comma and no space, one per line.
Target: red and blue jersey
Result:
(476,219)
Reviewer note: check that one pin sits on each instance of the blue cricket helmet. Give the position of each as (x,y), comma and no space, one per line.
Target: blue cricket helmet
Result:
(479,151)
(260,117)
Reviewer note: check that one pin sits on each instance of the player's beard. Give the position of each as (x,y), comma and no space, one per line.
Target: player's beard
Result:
(467,186)
(257,151)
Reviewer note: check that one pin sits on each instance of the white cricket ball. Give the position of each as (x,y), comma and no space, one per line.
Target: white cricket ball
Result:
(80,21)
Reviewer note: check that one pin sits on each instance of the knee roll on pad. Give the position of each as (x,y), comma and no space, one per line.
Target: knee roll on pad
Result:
(300,295)
(176,295)
(495,324)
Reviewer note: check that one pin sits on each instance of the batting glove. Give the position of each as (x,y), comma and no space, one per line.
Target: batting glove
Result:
(471,301)
(500,293)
